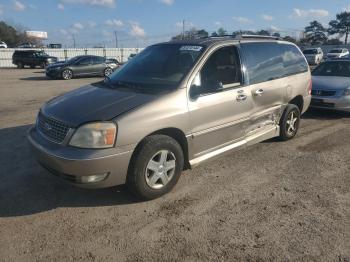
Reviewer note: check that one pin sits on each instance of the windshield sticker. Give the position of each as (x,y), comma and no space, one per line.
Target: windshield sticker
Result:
(191,48)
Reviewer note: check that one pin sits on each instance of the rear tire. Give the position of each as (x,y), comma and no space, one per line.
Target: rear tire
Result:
(156,167)
(32,66)
(67,74)
(20,65)
(289,123)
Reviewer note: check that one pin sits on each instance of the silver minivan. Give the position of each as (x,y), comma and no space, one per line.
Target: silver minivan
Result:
(172,107)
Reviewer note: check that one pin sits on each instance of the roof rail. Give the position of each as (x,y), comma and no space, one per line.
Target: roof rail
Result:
(239,37)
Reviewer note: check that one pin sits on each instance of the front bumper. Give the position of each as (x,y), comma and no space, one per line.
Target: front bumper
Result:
(53,73)
(339,103)
(74,164)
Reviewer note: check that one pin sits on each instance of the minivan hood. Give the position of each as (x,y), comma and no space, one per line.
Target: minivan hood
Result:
(330,82)
(93,103)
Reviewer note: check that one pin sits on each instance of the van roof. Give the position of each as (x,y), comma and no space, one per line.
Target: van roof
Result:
(210,41)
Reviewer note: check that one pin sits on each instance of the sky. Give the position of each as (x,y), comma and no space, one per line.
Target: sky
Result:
(143,22)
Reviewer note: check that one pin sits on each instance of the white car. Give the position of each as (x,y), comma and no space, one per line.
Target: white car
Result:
(314,56)
(3,44)
(338,53)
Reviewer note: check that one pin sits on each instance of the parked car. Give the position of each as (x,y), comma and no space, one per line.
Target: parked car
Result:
(131,56)
(86,65)
(26,45)
(314,56)
(113,60)
(54,46)
(331,85)
(338,53)
(3,44)
(172,107)
(32,58)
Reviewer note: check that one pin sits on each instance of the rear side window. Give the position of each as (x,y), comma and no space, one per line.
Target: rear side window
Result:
(293,61)
(21,54)
(98,60)
(269,61)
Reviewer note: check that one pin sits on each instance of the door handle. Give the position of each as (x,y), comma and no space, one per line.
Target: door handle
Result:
(241,97)
(259,92)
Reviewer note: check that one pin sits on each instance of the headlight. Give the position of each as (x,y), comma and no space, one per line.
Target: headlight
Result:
(347,92)
(95,135)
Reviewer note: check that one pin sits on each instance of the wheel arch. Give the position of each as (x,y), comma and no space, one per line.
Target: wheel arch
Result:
(175,133)
(298,101)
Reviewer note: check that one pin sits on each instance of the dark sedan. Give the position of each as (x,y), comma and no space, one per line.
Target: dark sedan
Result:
(86,65)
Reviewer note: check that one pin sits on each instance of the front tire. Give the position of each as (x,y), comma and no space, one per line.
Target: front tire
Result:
(67,74)
(107,72)
(156,167)
(290,123)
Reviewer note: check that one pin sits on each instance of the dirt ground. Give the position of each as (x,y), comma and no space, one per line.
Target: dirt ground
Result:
(275,201)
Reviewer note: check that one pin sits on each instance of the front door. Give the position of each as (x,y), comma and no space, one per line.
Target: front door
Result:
(219,106)
(84,66)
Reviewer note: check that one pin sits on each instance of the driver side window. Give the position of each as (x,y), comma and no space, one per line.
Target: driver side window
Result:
(221,71)
(85,61)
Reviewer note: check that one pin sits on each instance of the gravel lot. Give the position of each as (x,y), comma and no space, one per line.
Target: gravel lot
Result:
(273,201)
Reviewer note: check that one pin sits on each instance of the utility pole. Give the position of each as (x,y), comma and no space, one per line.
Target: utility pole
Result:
(73,40)
(116,39)
(183,29)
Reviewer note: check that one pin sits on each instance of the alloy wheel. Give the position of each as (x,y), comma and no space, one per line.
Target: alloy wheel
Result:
(108,71)
(292,123)
(67,74)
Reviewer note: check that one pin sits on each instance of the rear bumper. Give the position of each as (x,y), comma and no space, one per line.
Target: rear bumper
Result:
(75,165)
(334,103)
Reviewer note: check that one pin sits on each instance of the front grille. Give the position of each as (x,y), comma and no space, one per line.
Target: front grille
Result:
(321,103)
(53,129)
(323,93)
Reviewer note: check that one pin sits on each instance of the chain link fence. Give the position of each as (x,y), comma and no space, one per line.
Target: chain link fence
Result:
(121,54)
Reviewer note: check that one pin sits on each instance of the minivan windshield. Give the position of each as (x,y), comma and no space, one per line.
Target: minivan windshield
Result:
(333,68)
(157,67)
(310,52)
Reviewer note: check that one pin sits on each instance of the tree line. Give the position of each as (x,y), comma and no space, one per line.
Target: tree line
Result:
(314,34)
(14,35)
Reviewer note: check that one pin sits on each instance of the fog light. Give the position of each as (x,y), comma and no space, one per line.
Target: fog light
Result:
(93,178)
